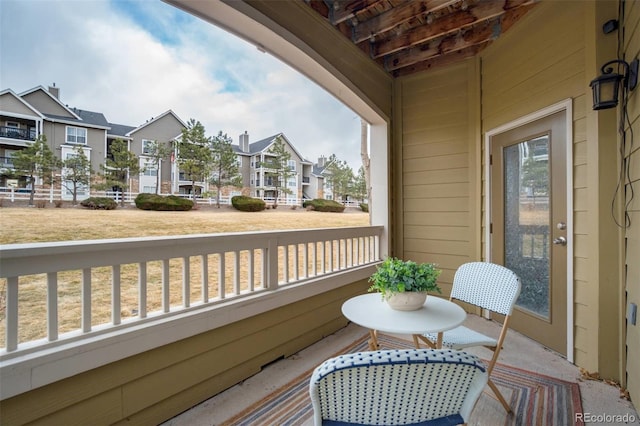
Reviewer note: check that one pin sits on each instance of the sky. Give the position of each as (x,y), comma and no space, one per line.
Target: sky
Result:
(133,60)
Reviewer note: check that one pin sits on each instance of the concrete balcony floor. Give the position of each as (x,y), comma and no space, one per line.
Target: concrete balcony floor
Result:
(597,397)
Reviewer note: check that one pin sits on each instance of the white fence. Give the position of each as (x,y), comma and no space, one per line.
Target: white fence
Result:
(51,196)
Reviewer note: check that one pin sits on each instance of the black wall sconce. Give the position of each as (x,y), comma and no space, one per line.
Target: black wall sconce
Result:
(607,86)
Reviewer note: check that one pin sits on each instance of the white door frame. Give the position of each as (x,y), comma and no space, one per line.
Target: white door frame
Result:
(567,107)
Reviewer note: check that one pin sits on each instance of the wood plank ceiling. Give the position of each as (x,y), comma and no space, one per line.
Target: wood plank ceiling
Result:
(408,36)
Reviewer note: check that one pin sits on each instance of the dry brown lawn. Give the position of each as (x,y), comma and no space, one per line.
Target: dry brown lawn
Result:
(28,225)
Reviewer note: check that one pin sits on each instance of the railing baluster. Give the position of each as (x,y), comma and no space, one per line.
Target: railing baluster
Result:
(52,306)
(305,260)
(115,294)
(166,295)
(296,271)
(331,254)
(314,258)
(323,256)
(221,275)
(205,277)
(236,273)
(285,263)
(142,289)
(12,314)
(186,282)
(250,269)
(86,300)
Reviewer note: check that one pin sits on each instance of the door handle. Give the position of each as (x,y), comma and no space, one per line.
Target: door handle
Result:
(560,241)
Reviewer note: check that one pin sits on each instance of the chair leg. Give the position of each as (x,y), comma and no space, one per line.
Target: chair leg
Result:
(416,342)
(499,396)
(428,342)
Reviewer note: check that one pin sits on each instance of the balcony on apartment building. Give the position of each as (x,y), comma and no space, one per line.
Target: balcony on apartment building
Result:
(184,287)
(17,131)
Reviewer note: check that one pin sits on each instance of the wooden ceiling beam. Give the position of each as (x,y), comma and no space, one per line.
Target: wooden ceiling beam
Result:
(343,10)
(441,61)
(396,16)
(444,45)
(447,24)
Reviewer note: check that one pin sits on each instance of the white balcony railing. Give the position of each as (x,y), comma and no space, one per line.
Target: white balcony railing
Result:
(129,291)
(252,263)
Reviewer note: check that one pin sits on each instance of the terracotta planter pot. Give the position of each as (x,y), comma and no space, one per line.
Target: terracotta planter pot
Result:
(407,301)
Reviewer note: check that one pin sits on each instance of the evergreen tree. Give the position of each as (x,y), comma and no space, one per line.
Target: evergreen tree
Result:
(36,161)
(76,172)
(194,154)
(340,178)
(224,164)
(278,162)
(117,168)
(157,152)
(360,185)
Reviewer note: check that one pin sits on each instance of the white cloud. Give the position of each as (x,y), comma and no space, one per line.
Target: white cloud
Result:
(134,61)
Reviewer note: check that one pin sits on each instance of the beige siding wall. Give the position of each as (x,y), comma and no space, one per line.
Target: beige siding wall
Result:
(43,103)
(157,385)
(10,103)
(437,187)
(163,130)
(632,279)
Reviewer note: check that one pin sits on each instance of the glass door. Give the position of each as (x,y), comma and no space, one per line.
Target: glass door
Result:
(528,215)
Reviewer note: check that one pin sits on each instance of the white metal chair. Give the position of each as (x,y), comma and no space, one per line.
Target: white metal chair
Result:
(397,387)
(489,286)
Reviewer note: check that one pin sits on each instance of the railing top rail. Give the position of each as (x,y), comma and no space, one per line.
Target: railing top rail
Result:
(35,258)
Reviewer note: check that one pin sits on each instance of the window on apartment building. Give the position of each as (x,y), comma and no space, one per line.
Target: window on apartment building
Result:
(149,169)
(147,146)
(292,181)
(149,189)
(292,164)
(76,135)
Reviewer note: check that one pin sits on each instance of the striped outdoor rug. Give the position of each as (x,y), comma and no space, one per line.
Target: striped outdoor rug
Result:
(535,399)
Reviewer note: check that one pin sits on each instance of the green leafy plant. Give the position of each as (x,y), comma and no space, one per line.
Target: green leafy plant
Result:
(396,276)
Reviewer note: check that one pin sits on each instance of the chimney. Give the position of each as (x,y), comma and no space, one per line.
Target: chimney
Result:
(244,142)
(55,91)
(321,161)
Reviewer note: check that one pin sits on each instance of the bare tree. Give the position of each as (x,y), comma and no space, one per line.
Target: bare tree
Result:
(366,161)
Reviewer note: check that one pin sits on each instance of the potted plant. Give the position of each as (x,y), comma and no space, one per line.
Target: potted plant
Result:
(404,283)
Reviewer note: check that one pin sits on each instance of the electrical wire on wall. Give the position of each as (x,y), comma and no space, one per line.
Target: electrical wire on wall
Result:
(624,187)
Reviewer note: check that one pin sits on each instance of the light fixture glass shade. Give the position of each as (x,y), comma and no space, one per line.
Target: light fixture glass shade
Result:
(605,90)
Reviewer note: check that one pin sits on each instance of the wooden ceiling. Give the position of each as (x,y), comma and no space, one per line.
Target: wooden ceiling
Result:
(407,36)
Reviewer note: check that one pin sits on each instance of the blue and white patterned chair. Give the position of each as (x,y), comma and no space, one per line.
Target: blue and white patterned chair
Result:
(488,286)
(397,387)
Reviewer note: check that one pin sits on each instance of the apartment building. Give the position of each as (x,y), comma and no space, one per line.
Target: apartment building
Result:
(39,111)
(306,183)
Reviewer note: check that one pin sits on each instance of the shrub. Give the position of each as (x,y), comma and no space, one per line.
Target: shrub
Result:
(41,204)
(322,205)
(364,207)
(162,202)
(247,204)
(58,203)
(99,203)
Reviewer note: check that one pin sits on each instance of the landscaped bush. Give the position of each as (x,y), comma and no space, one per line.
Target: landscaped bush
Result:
(162,202)
(322,205)
(247,204)
(99,203)
(364,207)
